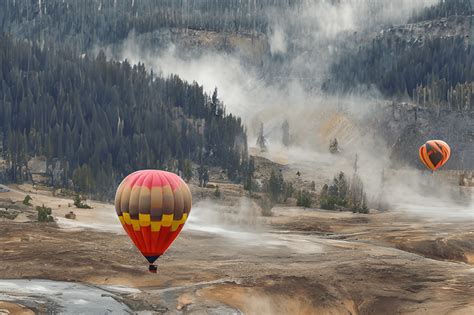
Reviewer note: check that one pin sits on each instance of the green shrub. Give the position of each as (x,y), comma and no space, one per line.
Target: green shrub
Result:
(288,190)
(357,200)
(27,200)
(188,170)
(217,192)
(78,202)
(275,186)
(44,214)
(266,204)
(335,194)
(334,146)
(303,199)
(328,203)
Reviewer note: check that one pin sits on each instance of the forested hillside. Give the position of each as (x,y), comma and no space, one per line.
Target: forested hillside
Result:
(431,62)
(88,22)
(85,23)
(100,119)
(444,8)
(439,70)
(103,119)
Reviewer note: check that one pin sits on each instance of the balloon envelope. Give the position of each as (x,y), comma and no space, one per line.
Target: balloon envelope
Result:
(153,206)
(434,154)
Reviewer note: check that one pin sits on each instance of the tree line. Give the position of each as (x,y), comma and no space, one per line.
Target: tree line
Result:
(444,8)
(100,120)
(429,71)
(437,71)
(85,23)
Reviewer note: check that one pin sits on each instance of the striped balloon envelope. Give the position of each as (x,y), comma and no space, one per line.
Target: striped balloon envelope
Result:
(434,154)
(153,206)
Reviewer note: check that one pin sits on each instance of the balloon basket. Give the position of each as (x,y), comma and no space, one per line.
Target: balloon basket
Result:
(152,268)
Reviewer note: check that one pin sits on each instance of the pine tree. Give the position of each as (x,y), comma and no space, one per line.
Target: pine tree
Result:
(261,141)
(381,201)
(217,192)
(275,186)
(357,199)
(286,133)
(335,194)
(249,173)
(326,201)
(304,199)
(334,146)
(203,175)
(288,190)
(356,166)
(188,170)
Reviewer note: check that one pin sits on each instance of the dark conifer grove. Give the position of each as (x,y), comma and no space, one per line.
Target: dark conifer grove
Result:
(100,120)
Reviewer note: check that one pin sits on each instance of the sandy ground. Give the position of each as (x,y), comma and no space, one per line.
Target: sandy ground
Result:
(296,262)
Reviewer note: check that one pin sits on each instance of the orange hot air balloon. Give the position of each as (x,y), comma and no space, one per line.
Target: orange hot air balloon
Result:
(434,154)
(153,206)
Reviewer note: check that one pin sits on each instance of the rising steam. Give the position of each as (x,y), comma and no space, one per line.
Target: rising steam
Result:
(301,43)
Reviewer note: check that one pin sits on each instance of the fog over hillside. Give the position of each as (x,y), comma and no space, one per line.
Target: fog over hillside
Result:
(302,41)
(271,61)
(285,83)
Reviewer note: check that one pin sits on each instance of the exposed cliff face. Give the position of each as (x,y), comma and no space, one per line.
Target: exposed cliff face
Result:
(188,43)
(405,127)
(416,33)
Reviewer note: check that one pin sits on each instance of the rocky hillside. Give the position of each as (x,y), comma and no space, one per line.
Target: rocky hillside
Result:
(406,126)
(425,69)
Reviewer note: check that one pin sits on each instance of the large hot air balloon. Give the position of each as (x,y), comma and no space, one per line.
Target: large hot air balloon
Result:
(153,206)
(434,153)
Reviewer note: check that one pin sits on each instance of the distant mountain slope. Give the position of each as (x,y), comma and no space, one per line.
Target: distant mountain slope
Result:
(90,22)
(430,61)
(297,38)
(427,68)
(405,127)
(399,69)
(344,46)
(445,8)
